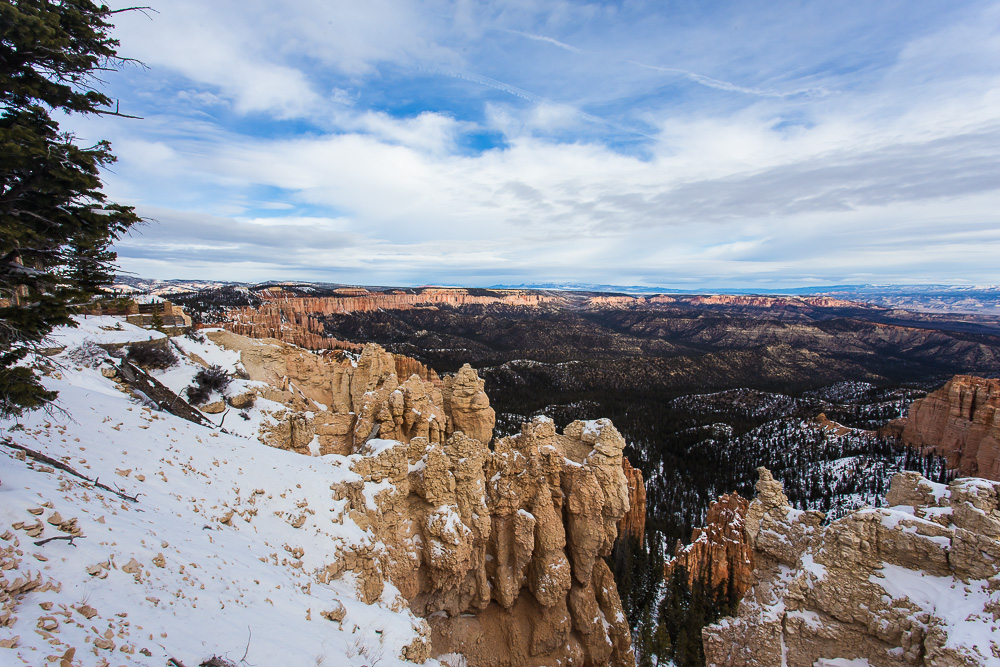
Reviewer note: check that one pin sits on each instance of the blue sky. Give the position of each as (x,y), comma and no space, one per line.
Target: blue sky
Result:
(741,144)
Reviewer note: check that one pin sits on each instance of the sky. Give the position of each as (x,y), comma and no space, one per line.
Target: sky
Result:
(663,143)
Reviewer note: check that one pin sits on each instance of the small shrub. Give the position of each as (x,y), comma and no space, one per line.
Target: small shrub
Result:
(207,380)
(214,378)
(195,335)
(89,354)
(151,356)
(197,394)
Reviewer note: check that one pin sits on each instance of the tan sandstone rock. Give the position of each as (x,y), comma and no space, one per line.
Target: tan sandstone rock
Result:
(872,586)
(501,551)
(634,521)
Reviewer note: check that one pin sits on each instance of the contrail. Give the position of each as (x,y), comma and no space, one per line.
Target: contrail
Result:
(725,85)
(543,38)
(493,83)
(472,77)
(707,81)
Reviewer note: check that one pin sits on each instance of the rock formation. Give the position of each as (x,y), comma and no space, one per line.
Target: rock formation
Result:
(500,550)
(342,399)
(634,521)
(719,556)
(960,421)
(913,584)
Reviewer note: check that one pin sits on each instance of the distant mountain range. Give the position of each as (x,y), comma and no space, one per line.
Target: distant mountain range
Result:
(932,298)
(979,299)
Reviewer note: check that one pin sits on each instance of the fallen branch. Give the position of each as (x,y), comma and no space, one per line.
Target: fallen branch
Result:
(174,662)
(60,537)
(244,658)
(56,463)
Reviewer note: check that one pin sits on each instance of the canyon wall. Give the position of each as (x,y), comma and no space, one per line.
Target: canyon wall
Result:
(719,556)
(297,320)
(915,583)
(501,549)
(960,421)
(359,300)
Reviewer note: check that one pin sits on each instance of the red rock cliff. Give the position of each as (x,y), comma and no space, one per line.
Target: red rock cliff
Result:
(297,320)
(634,521)
(720,551)
(960,421)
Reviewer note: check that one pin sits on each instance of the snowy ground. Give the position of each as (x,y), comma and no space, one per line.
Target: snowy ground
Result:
(222,554)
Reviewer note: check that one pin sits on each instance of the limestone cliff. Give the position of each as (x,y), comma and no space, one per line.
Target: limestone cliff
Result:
(913,584)
(719,555)
(501,550)
(960,421)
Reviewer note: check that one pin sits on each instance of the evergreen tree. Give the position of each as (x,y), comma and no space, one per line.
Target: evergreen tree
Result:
(55,223)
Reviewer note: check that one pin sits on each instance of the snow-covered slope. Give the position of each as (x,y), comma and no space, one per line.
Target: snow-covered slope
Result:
(223,552)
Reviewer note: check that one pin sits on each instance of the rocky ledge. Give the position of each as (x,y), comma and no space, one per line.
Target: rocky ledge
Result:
(913,584)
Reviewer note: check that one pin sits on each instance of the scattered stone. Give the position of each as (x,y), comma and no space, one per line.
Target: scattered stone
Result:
(213,408)
(105,644)
(86,611)
(48,623)
(132,567)
(336,614)
(242,401)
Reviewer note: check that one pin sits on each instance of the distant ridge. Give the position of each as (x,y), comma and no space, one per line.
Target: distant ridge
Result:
(795,291)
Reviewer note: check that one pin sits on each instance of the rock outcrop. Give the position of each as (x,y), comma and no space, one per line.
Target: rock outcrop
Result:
(501,550)
(341,400)
(634,521)
(912,584)
(719,556)
(960,421)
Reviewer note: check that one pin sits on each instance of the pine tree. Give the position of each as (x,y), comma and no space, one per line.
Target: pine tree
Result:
(55,223)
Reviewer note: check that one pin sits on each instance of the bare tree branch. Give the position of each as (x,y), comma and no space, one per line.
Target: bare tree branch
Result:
(56,463)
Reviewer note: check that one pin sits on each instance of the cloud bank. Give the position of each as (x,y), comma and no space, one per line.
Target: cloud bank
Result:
(395,142)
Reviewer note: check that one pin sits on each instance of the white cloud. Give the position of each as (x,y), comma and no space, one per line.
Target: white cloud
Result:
(891,173)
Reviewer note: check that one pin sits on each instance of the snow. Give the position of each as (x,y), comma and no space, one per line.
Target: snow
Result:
(810,618)
(222,567)
(808,564)
(211,354)
(100,328)
(953,604)
(376,446)
(593,427)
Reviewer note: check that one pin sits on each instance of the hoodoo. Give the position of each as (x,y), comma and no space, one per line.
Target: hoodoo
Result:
(719,555)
